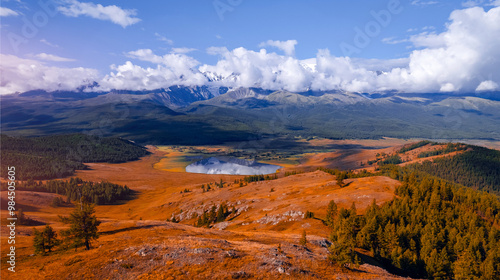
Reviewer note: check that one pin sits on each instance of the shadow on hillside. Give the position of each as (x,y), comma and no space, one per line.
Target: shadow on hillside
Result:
(109,232)
(384,264)
(29,208)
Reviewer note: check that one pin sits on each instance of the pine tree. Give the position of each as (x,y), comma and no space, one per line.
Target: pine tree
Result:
(331,213)
(466,266)
(342,252)
(340,179)
(50,237)
(38,242)
(220,213)
(83,226)
(44,240)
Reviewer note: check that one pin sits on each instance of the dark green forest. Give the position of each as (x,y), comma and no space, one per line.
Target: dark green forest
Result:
(50,157)
(478,168)
(450,147)
(94,192)
(433,229)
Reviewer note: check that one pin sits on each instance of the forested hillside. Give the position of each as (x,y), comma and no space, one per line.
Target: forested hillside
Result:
(434,229)
(95,192)
(478,168)
(60,155)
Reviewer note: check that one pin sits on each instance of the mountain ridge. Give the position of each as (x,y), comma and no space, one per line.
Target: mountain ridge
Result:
(173,114)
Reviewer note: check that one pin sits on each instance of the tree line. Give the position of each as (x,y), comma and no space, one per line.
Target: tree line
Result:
(414,146)
(216,214)
(75,189)
(57,156)
(478,168)
(450,147)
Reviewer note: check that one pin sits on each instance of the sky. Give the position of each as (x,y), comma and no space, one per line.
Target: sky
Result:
(295,45)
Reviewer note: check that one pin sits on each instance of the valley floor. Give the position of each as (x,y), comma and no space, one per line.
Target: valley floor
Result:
(261,242)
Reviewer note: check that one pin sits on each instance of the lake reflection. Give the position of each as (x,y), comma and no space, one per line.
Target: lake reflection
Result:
(231,166)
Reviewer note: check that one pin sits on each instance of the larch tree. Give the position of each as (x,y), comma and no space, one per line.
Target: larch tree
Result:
(83,226)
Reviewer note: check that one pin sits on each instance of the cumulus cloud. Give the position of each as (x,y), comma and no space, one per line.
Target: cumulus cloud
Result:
(429,40)
(5,12)
(458,59)
(487,86)
(115,14)
(246,68)
(170,69)
(288,47)
(465,57)
(20,75)
(51,57)
(380,64)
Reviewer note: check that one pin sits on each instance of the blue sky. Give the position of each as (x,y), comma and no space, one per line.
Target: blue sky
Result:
(100,33)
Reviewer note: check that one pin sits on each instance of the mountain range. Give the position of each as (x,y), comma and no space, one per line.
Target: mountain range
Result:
(213,115)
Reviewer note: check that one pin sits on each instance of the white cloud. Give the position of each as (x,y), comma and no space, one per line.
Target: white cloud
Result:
(217,50)
(51,57)
(183,50)
(246,68)
(164,39)
(5,12)
(473,3)
(44,41)
(465,57)
(20,75)
(487,86)
(457,58)
(380,64)
(429,40)
(115,14)
(288,47)
(393,41)
(171,69)
(423,3)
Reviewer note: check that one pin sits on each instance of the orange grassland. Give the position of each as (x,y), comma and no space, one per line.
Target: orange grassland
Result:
(261,242)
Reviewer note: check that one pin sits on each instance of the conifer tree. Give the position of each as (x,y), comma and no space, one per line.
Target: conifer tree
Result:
(331,213)
(83,226)
(44,240)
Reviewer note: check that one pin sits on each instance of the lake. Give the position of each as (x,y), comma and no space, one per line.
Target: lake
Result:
(231,166)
